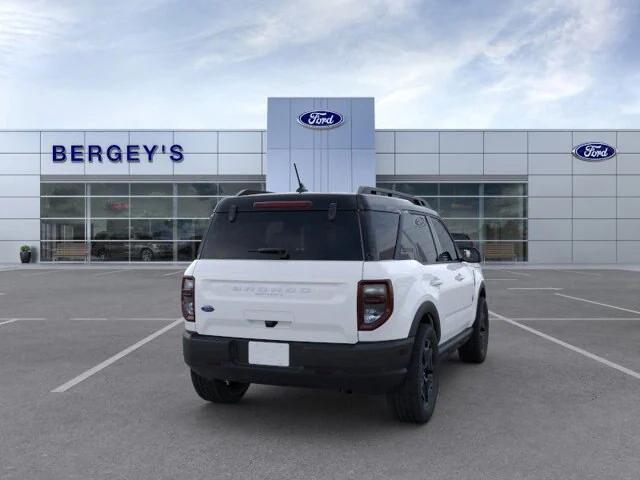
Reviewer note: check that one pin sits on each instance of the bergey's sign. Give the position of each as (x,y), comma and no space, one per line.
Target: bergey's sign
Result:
(114,153)
(320,119)
(594,151)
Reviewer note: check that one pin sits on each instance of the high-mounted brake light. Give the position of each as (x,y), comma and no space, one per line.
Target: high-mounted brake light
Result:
(188,295)
(375,303)
(289,204)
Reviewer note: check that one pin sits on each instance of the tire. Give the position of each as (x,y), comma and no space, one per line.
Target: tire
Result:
(218,391)
(101,255)
(475,350)
(146,255)
(415,400)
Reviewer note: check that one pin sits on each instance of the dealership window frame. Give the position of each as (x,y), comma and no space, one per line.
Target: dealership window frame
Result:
(431,190)
(48,245)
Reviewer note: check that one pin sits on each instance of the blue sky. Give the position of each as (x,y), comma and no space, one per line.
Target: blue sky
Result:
(207,64)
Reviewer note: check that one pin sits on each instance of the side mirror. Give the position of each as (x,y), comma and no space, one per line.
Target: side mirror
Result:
(471,255)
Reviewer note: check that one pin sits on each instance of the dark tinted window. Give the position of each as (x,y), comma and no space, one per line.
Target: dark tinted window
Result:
(447,247)
(64,189)
(416,242)
(381,231)
(275,235)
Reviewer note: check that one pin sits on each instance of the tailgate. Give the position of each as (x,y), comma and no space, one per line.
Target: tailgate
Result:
(289,300)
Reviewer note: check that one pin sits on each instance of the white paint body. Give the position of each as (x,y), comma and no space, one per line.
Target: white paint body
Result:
(316,301)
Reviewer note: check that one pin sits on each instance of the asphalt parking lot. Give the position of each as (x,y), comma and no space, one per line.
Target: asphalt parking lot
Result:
(93,386)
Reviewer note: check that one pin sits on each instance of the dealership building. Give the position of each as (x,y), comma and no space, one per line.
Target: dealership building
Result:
(538,196)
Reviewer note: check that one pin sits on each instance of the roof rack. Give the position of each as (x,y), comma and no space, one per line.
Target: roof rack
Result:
(248,191)
(392,193)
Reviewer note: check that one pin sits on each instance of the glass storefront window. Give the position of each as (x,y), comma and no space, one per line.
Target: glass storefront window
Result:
(226,189)
(109,189)
(504,230)
(196,207)
(505,207)
(62,207)
(104,229)
(459,207)
(504,251)
(62,229)
(460,189)
(154,207)
(62,189)
(198,189)
(151,229)
(416,189)
(192,229)
(110,207)
(469,228)
(497,189)
(110,251)
(154,189)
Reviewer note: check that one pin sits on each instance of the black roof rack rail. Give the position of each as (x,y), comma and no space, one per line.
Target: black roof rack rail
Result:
(248,191)
(392,193)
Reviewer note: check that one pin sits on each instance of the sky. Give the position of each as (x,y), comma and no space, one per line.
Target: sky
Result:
(429,64)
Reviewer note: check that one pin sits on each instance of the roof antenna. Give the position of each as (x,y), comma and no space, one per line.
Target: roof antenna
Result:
(301,188)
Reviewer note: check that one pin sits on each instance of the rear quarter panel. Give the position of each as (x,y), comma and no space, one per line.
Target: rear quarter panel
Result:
(410,290)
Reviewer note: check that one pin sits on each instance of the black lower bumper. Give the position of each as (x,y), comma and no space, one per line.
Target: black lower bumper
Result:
(374,367)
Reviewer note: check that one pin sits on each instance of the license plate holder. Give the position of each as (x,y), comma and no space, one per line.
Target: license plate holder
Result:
(274,354)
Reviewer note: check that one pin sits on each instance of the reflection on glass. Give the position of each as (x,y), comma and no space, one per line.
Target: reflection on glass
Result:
(61,189)
(187,251)
(198,189)
(64,207)
(418,189)
(459,207)
(109,189)
(196,207)
(152,251)
(505,207)
(151,207)
(470,228)
(504,230)
(152,229)
(109,207)
(505,189)
(160,189)
(62,229)
(105,229)
(192,229)
(110,251)
(460,189)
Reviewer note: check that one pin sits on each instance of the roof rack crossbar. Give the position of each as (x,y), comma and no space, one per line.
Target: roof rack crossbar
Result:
(248,191)
(392,193)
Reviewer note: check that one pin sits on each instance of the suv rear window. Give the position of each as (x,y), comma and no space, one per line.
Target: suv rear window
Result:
(282,235)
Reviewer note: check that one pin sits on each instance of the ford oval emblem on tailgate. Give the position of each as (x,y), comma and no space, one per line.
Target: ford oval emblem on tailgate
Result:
(207,308)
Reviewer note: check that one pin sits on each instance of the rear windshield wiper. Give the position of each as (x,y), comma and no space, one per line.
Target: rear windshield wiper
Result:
(272,251)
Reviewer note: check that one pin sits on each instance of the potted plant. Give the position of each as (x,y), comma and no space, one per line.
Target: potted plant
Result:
(25,253)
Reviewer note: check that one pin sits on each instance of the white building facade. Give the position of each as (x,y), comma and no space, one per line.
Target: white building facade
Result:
(146,195)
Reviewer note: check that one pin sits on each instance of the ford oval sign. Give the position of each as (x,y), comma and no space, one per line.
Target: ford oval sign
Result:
(594,151)
(320,119)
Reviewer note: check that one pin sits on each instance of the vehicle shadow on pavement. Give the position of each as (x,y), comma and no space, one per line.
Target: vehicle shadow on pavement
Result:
(301,410)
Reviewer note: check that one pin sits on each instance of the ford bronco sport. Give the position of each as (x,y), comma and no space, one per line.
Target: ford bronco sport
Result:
(358,292)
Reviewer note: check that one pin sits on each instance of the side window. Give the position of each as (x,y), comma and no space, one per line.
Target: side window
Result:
(447,252)
(381,231)
(416,241)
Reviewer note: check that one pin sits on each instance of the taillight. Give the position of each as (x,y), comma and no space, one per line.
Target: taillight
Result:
(375,303)
(188,298)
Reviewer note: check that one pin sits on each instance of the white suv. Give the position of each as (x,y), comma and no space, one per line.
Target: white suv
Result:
(359,292)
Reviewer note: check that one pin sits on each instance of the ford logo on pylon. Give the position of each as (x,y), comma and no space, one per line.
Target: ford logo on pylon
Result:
(594,151)
(321,119)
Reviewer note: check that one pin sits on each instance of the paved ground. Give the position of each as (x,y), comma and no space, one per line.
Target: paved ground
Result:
(558,402)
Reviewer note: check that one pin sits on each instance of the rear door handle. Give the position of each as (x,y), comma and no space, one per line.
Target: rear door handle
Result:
(459,277)
(436,282)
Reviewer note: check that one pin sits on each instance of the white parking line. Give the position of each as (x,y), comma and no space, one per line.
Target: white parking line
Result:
(11,320)
(576,319)
(110,272)
(92,371)
(172,273)
(124,319)
(518,273)
(598,303)
(501,279)
(568,346)
(533,288)
(578,272)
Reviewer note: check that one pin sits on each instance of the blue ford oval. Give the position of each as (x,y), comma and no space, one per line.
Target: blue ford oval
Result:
(594,151)
(320,119)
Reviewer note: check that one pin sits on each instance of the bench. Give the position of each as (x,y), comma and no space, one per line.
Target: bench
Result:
(67,251)
(499,251)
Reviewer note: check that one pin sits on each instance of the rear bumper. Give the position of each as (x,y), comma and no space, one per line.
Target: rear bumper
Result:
(375,367)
